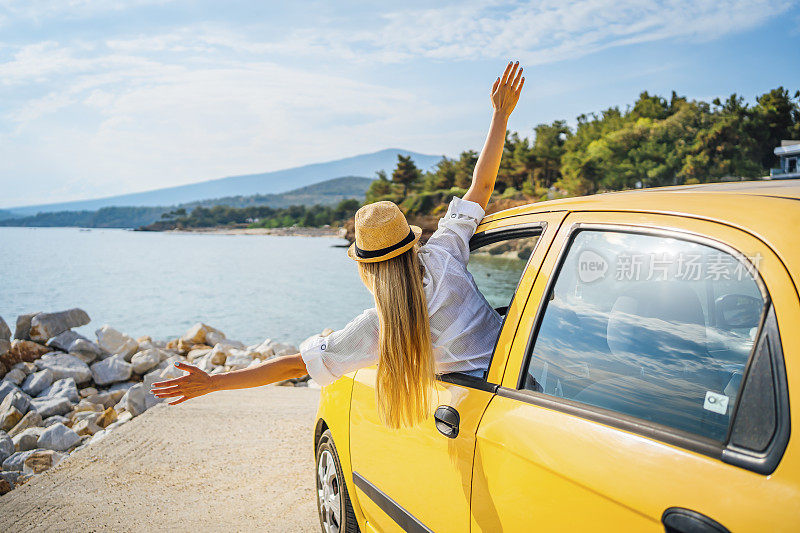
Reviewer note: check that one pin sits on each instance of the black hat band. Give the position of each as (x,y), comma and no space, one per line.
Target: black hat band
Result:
(369,254)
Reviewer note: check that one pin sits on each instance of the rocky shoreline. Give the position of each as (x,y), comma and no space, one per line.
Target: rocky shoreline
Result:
(60,390)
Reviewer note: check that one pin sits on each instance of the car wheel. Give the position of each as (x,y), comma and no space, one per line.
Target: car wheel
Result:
(336,513)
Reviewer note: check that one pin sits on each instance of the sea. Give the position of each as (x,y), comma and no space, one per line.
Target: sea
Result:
(251,287)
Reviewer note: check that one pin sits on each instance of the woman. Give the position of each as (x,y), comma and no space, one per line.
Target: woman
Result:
(429,316)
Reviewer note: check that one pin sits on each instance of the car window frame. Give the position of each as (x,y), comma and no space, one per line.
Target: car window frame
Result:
(506,233)
(763,463)
(479,240)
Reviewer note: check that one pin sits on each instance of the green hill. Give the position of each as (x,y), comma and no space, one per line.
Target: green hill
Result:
(326,193)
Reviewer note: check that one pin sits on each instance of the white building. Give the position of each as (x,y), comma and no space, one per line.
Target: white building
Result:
(789,154)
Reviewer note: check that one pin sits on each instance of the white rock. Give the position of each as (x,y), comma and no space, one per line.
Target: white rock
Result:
(220,353)
(196,354)
(106,398)
(87,350)
(6,446)
(17,399)
(77,416)
(6,388)
(58,437)
(47,407)
(54,419)
(15,376)
(62,388)
(146,360)
(134,400)
(214,337)
(230,344)
(86,405)
(171,372)
(64,340)
(26,367)
(86,427)
(35,383)
(264,349)
(5,331)
(114,342)
(205,363)
(27,439)
(65,365)
(31,419)
(169,362)
(238,359)
(46,325)
(122,386)
(284,349)
(111,369)
(87,391)
(198,334)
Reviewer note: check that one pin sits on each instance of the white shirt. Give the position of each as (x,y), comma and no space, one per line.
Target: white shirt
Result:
(464,327)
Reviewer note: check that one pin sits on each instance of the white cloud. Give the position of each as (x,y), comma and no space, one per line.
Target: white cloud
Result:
(40,10)
(535,32)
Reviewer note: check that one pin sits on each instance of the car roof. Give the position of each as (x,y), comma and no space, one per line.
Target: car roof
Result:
(768,209)
(778,188)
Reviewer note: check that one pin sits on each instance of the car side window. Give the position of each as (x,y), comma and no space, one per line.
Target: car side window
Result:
(649,326)
(497,261)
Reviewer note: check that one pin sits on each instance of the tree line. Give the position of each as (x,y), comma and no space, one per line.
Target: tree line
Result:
(257,216)
(654,142)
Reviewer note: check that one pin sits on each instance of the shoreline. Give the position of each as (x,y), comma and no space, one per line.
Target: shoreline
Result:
(60,391)
(283,232)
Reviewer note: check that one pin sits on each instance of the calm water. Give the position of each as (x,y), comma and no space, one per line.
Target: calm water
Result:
(249,286)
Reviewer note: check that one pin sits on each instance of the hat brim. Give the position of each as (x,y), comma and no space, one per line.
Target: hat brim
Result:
(351,252)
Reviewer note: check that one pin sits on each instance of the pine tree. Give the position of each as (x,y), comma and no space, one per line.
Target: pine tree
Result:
(406,173)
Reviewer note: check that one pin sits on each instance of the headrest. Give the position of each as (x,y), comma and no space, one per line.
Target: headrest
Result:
(661,320)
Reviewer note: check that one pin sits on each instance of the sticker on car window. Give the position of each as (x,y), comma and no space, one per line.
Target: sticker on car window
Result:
(716,403)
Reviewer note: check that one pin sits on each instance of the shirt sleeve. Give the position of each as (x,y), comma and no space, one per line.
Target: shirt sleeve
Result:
(350,348)
(457,227)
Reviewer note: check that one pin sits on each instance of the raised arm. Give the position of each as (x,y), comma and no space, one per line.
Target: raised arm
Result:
(505,95)
(197,383)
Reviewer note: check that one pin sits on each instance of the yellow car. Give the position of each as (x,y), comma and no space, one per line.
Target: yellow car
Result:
(641,380)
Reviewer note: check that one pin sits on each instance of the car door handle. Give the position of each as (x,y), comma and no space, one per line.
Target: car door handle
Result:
(680,520)
(447,419)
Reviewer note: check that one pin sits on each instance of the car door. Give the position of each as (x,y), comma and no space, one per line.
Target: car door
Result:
(420,479)
(638,396)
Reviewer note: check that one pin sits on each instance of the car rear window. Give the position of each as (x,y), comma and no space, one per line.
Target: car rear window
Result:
(649,326)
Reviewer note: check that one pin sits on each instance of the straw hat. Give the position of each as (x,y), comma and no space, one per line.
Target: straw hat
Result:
(382,232)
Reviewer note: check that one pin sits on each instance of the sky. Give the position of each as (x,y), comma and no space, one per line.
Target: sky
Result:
(104,97)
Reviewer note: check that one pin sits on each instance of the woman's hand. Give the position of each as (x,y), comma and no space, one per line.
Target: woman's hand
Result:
(191,385)
(507,88)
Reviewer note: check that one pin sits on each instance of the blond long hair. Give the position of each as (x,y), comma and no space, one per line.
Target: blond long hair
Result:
(406,364)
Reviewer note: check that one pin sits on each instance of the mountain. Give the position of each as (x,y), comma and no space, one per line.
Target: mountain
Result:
(328,192)
(6,214)
(278,181)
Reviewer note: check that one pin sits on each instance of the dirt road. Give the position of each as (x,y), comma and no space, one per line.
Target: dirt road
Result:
(229,461)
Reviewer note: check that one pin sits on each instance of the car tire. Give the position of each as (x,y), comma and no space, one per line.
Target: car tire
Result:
(332,490)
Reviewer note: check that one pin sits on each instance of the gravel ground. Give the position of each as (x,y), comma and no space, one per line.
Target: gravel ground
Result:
(228,461)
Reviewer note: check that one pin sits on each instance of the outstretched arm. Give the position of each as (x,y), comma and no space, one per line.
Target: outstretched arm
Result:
(197,383)
(505,94)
